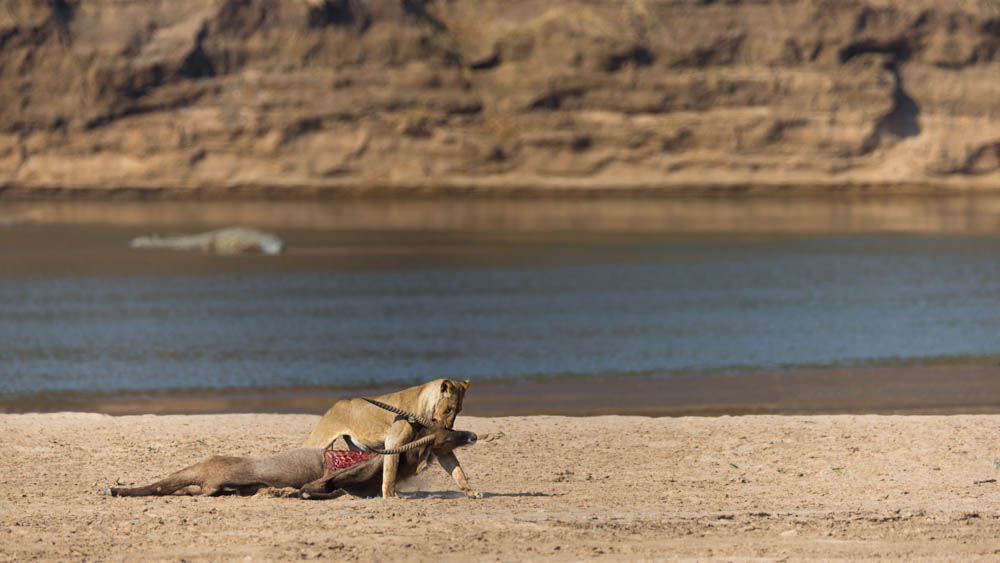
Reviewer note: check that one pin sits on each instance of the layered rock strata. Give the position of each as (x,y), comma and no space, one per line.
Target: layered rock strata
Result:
(179,98)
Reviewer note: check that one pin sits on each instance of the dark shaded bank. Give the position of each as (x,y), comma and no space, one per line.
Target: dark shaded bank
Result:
(972,388)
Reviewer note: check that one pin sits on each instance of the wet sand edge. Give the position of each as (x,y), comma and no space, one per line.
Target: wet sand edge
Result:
(972,388)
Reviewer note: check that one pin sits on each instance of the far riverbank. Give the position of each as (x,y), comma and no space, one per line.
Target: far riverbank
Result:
(829,213)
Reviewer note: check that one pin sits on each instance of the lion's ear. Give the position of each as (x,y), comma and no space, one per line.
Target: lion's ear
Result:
(465,385)
(444,387)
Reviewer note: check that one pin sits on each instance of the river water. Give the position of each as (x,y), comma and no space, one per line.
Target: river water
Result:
(81,312)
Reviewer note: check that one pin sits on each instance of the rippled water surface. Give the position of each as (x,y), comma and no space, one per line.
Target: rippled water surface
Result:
(81,311)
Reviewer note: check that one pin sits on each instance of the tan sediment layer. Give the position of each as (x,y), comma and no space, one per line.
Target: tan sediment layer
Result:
(905,389)
(832,213)
(564,489)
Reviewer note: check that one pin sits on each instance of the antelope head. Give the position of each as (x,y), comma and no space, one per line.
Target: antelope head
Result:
(440,439)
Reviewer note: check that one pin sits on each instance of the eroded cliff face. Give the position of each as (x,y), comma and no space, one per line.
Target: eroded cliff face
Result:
(303,97)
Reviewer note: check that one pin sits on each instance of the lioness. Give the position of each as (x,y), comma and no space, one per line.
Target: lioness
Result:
(365,428)
(318,473)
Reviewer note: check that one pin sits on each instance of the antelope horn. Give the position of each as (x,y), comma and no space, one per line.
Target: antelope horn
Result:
(426,440)
(409,416)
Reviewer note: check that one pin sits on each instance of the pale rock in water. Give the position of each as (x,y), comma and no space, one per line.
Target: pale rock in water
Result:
(231,240)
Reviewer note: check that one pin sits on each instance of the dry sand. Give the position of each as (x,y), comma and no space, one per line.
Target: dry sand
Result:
(561,488)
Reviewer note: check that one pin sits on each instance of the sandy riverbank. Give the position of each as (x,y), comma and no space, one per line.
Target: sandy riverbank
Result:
(626,488)
(822,213)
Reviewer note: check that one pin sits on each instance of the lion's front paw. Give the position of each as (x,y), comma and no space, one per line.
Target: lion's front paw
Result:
(473,494)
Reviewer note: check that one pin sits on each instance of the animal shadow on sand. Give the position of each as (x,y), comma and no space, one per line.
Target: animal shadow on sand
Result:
(459,494)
